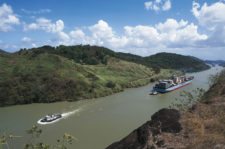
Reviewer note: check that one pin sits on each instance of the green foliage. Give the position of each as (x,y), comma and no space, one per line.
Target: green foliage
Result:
(33,143)
(70,73)
(63,142)
(46,78)
(176,61)
(188,99)
(93,55)
(35,133)
(217,87)
(110,84)
(213,79)
(6,139)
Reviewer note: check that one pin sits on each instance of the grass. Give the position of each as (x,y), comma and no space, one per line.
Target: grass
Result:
(49,78)
(203,124)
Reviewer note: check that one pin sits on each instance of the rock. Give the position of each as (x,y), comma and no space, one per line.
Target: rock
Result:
(167,120)
(136,140)
(145,137)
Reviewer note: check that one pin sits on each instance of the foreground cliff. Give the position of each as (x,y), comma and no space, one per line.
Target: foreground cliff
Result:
(201,126)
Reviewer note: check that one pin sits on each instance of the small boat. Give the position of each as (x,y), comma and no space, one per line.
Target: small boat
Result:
(154,93)
(50,118)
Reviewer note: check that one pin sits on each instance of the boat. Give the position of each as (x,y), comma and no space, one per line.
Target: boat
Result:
(172,84)
(50,118)
(154,93)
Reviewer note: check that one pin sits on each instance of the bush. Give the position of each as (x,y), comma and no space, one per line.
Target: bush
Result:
(110,84)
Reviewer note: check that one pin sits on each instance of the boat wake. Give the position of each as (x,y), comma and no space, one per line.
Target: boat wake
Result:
(64,116)
(67,114)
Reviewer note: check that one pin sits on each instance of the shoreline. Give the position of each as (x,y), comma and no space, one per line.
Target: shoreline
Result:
(134,84)
(199,125)
(164,74)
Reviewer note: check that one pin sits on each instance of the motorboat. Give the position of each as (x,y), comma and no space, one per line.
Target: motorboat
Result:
(50,118)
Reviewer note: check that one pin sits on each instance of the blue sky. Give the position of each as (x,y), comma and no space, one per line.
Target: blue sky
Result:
(141,27)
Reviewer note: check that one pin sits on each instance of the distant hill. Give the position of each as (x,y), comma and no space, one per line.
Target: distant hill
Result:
(176,61)
(71,73)
(3,52)
(216,62)
(93,55)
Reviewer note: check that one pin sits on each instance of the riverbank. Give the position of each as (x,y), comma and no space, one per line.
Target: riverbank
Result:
(72,73)
(201,126)
(115,115)
(49,78)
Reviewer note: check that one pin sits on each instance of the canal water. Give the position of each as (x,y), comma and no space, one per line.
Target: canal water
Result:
(95,123)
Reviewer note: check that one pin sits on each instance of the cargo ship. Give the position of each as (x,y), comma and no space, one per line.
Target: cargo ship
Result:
(172,84)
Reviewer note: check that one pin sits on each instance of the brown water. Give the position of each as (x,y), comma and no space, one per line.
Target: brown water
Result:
(96,123)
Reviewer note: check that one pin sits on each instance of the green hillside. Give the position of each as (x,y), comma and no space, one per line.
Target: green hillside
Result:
(71,73)
(49,78)
(93,55)
(2,52)
(176,61)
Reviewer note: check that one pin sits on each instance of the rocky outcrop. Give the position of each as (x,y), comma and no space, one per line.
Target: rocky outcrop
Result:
(147,136)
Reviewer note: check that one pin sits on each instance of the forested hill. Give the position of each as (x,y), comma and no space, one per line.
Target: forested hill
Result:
(215,62)
(176,61)
(3,52)
(48,74)
(71,73)
(93,55)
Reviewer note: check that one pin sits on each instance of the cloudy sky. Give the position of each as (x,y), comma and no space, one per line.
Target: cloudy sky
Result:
(142,27)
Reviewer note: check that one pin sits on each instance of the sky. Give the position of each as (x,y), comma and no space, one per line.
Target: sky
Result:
(142,27)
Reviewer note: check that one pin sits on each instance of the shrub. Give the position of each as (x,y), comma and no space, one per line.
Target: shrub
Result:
(110,84)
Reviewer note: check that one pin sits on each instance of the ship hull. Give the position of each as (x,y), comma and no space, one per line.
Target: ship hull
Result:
(173,87)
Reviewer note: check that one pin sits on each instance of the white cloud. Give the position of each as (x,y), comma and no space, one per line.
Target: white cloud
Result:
(212,18)
(35,12)
(158,5)
(143,38)
(7,18)
(101,30)
(77,36)
(209,15)
(171,25)
(78,33)
(50,27)
(171,33)
(167,5)
(26,40)
(63,38)
(45,25)
(34,45)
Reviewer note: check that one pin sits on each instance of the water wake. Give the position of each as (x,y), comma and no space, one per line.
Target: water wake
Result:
(67,114)
(64,116)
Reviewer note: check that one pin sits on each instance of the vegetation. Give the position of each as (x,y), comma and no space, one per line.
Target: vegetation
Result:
(188,99)
(70,73)
(48,78)
(203,122)
(33,143)
(3,52)
(176,61)
(217,88)
(215,62)
(93,55)
(200,121)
